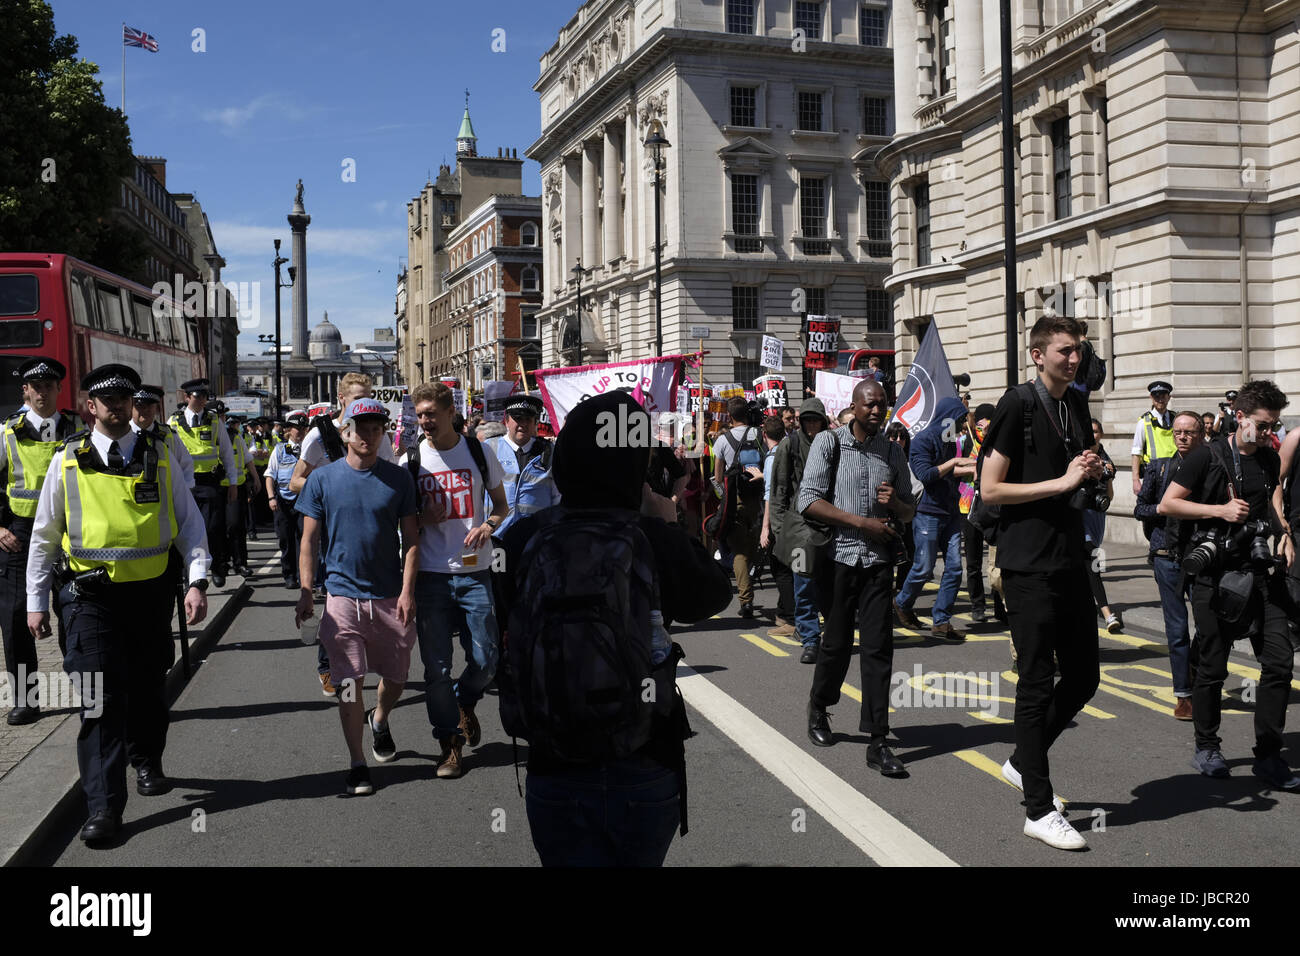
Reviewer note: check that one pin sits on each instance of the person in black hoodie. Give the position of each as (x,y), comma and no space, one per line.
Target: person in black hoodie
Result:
(616,812)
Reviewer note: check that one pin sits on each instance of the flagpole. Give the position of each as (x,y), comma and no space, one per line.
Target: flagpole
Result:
(123,40)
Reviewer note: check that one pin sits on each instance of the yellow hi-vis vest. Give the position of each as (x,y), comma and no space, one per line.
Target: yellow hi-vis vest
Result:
(29,459)
(202,441)
(125,523)
(241,463)
(1159,441)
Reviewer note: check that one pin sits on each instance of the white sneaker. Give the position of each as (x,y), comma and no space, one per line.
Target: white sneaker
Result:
(1012,776)
(1054,831)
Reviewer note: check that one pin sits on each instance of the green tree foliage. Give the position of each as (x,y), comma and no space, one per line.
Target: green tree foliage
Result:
(63,151)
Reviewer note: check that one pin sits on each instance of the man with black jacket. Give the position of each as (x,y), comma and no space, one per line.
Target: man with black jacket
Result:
(1035,458)
(1226,488)
(797,545)
(616,812)
(1163,555)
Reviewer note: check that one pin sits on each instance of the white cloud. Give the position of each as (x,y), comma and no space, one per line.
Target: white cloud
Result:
(235,117)
(379,245)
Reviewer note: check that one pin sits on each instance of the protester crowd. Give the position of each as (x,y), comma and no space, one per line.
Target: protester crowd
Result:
(561,566)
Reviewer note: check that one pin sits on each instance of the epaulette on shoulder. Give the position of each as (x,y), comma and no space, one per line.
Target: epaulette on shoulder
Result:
(16,417)
(74,437)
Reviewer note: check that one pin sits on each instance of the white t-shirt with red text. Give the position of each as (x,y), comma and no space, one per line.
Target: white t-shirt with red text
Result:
(454,480)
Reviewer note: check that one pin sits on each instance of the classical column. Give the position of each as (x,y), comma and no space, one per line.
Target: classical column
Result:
(571,236)
(613,222)
(631,159)
(970,47)
(298,222)
(590,210)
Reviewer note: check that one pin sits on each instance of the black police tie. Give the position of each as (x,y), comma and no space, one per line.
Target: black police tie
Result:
(115,459)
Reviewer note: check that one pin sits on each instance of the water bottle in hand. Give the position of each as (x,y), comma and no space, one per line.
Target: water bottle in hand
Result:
(309,628)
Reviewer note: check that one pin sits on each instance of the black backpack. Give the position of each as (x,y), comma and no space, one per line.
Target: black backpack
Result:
(330,438)
(578,681)
(1091,373)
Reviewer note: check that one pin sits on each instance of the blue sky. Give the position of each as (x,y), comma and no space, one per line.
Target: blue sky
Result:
(290,89)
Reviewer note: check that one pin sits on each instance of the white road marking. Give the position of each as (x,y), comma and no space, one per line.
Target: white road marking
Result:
(864,823)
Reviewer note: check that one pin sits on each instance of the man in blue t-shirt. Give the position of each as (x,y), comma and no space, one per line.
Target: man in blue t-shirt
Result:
(369,618)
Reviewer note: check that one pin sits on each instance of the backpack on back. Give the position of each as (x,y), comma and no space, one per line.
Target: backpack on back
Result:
(578,649)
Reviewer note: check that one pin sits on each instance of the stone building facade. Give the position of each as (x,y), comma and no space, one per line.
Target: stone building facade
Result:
(772,206)
(1157,167)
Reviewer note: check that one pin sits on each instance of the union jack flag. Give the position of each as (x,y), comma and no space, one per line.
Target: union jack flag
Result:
(133,37)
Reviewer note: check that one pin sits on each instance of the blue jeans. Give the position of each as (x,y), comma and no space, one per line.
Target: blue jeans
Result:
(805,610)
(620,813)
(1173,601)
(934,534)
(444,603)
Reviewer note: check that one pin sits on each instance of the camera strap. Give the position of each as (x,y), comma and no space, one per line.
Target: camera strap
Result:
(1063,427)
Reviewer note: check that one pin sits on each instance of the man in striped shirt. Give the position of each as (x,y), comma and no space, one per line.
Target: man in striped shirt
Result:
(855,481)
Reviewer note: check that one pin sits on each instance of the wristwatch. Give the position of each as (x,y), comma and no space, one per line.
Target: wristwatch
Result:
(493,522)
(201,584)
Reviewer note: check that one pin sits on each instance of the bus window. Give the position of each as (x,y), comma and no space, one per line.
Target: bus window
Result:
(110,309)
(19,295)
(192,334)
(81,291)
(177,320)
(162,326)
(143,317)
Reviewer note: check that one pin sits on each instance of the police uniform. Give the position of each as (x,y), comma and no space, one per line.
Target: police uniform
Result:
(114,508)
(209,446)
(237,510)
(1154,437)
(30,443)
(525,471)
(164,433)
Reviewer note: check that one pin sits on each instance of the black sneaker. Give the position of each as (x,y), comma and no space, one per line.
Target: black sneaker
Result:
(359,784)
(747,610)
(1211,763)
(383,748)
(978,615)
(809,655)
(1274,771)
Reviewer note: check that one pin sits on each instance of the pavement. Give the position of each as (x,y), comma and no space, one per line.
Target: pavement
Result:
(258,762)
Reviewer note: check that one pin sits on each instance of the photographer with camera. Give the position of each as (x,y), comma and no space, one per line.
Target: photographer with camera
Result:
(1038,469)
(1222,492)
(1225,423)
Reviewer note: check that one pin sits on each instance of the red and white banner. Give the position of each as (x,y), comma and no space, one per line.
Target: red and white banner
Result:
(651,382)
(823,342)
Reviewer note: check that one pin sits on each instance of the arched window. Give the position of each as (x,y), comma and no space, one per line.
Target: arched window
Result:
(528,234)
(528,280)
(476,245)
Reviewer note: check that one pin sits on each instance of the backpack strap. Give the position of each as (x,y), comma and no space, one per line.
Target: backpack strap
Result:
(476,452)
(329,436)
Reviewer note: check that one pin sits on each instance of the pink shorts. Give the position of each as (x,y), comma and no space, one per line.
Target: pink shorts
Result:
(362,635)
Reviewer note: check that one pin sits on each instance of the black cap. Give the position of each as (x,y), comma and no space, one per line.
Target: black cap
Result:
(1159,386)
(296,419)
(42,368)
(149,393)
(196,385)
(524,405)
(112,379)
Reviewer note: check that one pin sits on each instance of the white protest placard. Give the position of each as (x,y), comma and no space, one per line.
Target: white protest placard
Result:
(835,392)
(495,397)
(649,381)
(392,398)
(773,351)
(460,400)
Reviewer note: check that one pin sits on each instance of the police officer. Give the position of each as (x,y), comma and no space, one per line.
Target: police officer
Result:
(288,524)
(1154,436)
(113,504)
(31,436)
(237,507)
(525,461)
(209,445)
(146,404)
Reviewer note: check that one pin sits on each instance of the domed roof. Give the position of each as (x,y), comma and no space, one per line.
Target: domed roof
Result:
(327,331)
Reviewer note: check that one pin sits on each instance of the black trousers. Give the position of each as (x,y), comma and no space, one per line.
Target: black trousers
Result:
(288,531)
(1266,619)
(211,499)
(236,528)
(784,579)
(122,633)
(1050,613)
(973,543)
(861,596)
(19,645)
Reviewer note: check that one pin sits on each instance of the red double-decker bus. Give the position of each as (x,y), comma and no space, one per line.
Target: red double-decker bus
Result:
(66,309)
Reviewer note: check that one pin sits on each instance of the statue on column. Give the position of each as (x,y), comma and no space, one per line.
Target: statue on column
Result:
(298,197)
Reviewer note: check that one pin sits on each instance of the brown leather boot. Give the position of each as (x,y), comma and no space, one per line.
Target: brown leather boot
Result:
(449,765)
(469,726)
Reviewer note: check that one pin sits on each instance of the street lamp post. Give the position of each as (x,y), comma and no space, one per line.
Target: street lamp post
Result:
(656,142)
(579,271)
(279,261)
